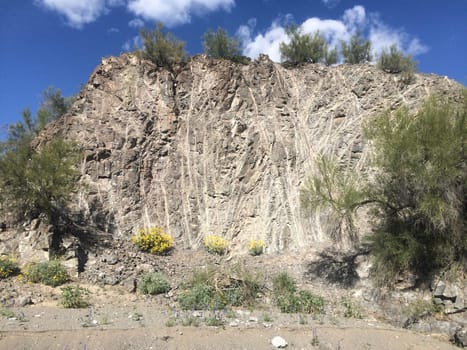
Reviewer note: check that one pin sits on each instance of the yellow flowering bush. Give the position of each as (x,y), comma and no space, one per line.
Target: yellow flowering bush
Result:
(153,240)
(256,247)
(8,267)
(51,273)
(215,244)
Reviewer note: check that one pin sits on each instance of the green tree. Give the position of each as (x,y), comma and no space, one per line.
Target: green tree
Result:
(305,47)
(218,44)
(37,180)
(357,50)
(418,192)
(161,47)
(330,57)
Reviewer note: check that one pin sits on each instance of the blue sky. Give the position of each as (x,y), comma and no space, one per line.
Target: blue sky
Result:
(60,42)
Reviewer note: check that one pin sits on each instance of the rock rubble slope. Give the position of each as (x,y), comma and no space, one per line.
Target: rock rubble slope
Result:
(215,147)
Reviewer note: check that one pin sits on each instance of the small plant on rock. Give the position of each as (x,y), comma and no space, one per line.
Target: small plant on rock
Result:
(215,244)
(8,267)
(75,297)
(153,240)
(153,283)
(256,247)
(51,273)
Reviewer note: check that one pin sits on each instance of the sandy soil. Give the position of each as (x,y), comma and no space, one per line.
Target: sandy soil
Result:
(122,320)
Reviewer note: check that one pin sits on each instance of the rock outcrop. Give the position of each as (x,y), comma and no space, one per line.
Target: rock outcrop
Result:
(215,147)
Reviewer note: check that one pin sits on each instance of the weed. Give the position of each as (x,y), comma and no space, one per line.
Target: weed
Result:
(153,283)
(315,339)
(215,289)
(215,321)
(153,240)
(190,321)
(51,273)
(7,313)
(302,319)
(256,247)
(171,322)
(215,244)
(8,267)
(351,310)
(290,300)
(267,318)
(419,309)
(75,297)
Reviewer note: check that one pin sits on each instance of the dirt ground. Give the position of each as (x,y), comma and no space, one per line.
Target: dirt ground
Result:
(119,319)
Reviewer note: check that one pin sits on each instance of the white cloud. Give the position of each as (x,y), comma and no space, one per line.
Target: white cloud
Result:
(330,3)
(335,31)
(171,12)
(79,12)
(112,30)
(136,23)
(382,36)
(175,12)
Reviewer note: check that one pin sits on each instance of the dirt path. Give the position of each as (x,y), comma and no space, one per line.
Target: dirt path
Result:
(218,338)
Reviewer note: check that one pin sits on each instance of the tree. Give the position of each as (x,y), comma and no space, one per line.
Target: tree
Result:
(219,45)
(305,47)
(357,50)
(395,62)
(418,192)
(161,47)
(37,180)
(330,57)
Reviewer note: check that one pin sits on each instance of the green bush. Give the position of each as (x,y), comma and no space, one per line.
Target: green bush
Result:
(218,44)
(153,283)
(75,297)
(51,273)
(8,267)
(306,48)
(357,50)
(213,288)
(256,247)
(283,283)
(395,62)
(161,47)
(290,300)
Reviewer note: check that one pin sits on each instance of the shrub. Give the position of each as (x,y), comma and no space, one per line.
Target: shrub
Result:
(51,273)
(8,267)
(161,47)
(218,44)
(283,283)
(290,300)
(351,310)
(394,61)
(256,247)
(357,50)
(215,289)
(153,240)
(153,283)
(306,48)
(75,297)
(215,244)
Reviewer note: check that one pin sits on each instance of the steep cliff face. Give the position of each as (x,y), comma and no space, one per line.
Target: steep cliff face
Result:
(221,148)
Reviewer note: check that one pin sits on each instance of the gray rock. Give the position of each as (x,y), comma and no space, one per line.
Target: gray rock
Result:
(460,337)
(440,287)
(23,301)
(279,342)
(216,134)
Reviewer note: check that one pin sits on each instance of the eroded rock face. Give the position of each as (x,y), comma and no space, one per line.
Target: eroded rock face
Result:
(221,148)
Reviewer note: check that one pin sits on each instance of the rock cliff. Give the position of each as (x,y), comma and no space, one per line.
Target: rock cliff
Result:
(215,147)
